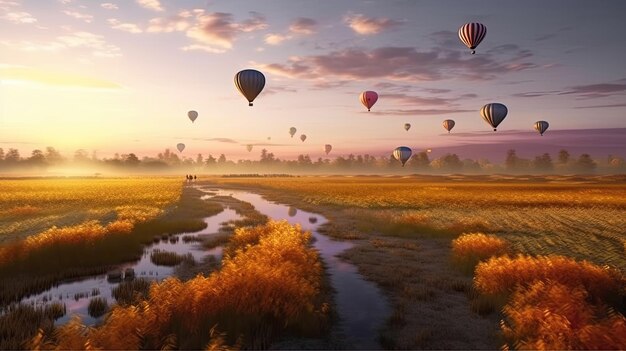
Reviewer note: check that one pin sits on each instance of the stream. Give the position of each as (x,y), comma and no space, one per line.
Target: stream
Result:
(361,306)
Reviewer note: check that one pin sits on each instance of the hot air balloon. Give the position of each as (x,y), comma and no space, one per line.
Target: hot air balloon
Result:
(192,115)
(541,126)
(494,114)
(448,124)
(250,83)
(471,34)
(269,138)
(249,147)
(303,137)
(407,126)
(292,131)
(180,147)
(327,148)
(369,98)
(402,154)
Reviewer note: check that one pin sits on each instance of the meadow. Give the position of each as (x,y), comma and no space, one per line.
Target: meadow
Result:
(470,262)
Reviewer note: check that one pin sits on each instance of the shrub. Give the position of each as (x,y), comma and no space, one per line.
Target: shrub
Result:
(469,249)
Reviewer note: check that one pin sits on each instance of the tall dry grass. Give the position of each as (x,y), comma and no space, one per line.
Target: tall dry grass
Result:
(556,302)
(471,248)
(268,284)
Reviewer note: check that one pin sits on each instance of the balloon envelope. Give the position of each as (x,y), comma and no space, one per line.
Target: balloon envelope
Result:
(180,147)
(249,147)
(402,154)
(471,34)
(250,83)
(541,126)
(494,114)
(407,126)
(448,124)
(292,131)
(192,115)
(303,137)
(369,98)
(327,148)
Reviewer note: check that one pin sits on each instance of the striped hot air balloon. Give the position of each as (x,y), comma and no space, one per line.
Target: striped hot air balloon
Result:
(250,83)
(292,131)
(448,124)
(471,34)
(494,114)
(192,115)
(407,126)
(327,148)
(180,147)
(541,126)
(402,154)
(369,98)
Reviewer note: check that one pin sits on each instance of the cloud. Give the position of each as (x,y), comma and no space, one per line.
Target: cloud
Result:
(22,74)
(219,140)
(154,5)
(276,39)
(218,30)
(300,26)
(275,89)
(109,6)
(419,112)
(369,25)
(79,15)
(177,23)
(19,17)
(303,25)
(602,106)
(582,92)
(126,27)
(401,64)
(95,43)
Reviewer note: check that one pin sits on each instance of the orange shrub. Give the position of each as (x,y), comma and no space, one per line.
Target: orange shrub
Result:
(271,278)
(553,316)
(469,249)
(502,275)
(25,210)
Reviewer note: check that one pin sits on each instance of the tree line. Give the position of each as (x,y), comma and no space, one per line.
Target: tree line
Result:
(420,162)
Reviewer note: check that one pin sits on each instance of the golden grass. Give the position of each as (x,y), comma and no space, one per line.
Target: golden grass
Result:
(554,316)
(36,205)
(469,249)
(542,216)
(268,283)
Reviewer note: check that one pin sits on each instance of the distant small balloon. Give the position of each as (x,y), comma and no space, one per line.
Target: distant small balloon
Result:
(180,147)
(402,154)
(303,137)
(541,126)
(327,148)
(269,138)
(407,126)
(368,98)
(192,115)
(249,147)
(448,124)
(292,131)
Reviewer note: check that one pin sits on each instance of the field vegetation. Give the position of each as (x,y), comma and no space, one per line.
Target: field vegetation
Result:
(269,285)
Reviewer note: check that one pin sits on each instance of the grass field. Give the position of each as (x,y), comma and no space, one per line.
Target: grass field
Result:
(467,262)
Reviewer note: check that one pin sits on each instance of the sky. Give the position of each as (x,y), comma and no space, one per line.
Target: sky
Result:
(118,76)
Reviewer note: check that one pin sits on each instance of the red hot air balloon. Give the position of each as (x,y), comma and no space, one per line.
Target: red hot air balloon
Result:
(369,98)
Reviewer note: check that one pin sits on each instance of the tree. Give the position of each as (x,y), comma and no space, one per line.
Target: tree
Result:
(420,160)
(585,164)
(512,161)
(130,160)
(81,156)
(222,159)
(199,159)
(210,161)
(563,156)
(543,163)
(53,156)
(37,158)
(12,157)
(1,154)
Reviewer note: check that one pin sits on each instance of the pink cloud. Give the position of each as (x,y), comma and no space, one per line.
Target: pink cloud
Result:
(364,25)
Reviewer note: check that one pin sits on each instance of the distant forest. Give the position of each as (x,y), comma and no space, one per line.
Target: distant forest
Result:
(170,162)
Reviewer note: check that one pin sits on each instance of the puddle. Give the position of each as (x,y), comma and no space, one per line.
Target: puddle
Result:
(361,305)
(76,294)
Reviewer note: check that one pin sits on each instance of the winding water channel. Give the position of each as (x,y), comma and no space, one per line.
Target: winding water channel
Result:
(361,306)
